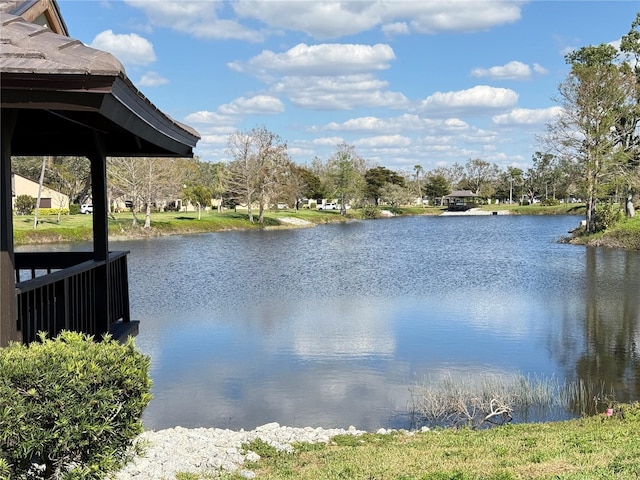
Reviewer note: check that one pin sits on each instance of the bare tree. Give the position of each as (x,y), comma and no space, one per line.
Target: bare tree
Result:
(258,168)
(124,174)
(274,168)
(40,185)
(243,168)
(453,174)
(479,175)
(146,181)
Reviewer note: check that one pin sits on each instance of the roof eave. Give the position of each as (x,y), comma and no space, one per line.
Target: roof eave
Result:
(113,98)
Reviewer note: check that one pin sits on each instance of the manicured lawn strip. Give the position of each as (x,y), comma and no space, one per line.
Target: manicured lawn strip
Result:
(74,228)
(78,228)
(538,209)
(588,448)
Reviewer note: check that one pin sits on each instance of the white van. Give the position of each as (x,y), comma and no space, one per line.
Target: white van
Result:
(86,208)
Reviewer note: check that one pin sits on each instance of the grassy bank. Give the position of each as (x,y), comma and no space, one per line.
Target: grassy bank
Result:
(72,228)
(596,447)
(625,235)
(75,228)
(538,209)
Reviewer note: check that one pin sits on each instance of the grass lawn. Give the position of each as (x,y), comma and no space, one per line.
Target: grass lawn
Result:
(74,228)
(538,209)
(79,227)
(625,234)
(591,448)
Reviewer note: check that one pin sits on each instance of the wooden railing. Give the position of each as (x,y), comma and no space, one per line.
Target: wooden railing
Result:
(70,291)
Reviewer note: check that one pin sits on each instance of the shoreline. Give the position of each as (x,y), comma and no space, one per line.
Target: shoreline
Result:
(201,450)
(121,229)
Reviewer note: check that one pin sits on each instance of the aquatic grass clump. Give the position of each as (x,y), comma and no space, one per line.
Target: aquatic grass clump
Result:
(478,401)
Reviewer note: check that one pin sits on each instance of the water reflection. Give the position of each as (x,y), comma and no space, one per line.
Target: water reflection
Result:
(332,326)
(604,349)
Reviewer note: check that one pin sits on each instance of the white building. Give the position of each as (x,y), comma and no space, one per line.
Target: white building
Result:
(49,198)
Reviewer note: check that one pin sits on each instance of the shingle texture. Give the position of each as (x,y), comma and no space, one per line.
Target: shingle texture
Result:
(29,48)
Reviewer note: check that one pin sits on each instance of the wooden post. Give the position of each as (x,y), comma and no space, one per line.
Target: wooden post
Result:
(100,234)
(8,300)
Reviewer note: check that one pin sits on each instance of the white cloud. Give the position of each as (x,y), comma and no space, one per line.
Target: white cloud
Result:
(402,123)
(511,71)
(333,19)
(361,124)
(196,18)
(231,113)
(339,92)
(300,151)
(525,116)
(469,16)
(330,141)
(130,49)
(539,69)
(259,104)
(152,79)
(204,117)
(384,141)
(455,124)
(324,59)
(397,28)
(215,139)
(478,97)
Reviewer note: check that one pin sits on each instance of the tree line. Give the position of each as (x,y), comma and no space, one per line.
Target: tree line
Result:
(591,151)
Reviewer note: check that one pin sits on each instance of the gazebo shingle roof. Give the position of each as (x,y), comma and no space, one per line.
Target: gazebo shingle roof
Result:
(29,48)
(55,74)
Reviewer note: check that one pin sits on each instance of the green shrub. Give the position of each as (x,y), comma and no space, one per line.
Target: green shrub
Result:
(70,407)
(53,211)
(550,202)
(607,215)
(24,204)
(4,469)
(370,211)
(74,209)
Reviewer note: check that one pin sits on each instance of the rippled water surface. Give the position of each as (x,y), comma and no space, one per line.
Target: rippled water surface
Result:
(330,326)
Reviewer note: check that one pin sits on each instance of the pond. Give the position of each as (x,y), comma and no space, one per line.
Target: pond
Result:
(332,326)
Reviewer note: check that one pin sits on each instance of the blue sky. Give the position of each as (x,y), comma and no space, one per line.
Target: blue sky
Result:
(405,82)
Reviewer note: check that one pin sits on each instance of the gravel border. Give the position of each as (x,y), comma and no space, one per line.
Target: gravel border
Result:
(207,450)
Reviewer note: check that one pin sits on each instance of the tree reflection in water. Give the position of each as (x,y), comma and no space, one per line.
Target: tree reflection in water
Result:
(602,355)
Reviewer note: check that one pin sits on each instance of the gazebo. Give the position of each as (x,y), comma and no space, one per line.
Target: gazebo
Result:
(60,97)
(460,200)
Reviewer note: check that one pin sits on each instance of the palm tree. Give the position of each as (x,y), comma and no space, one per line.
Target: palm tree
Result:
(419,169)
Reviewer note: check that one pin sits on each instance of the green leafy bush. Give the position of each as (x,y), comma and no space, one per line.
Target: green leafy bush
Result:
(74,209)
(607,215)
(370,211)
(53,211)
(24,204)
(550,202)
(70,407)
(4,469)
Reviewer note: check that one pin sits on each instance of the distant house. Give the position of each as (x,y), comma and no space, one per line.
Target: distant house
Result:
(460,200)
(49,198)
